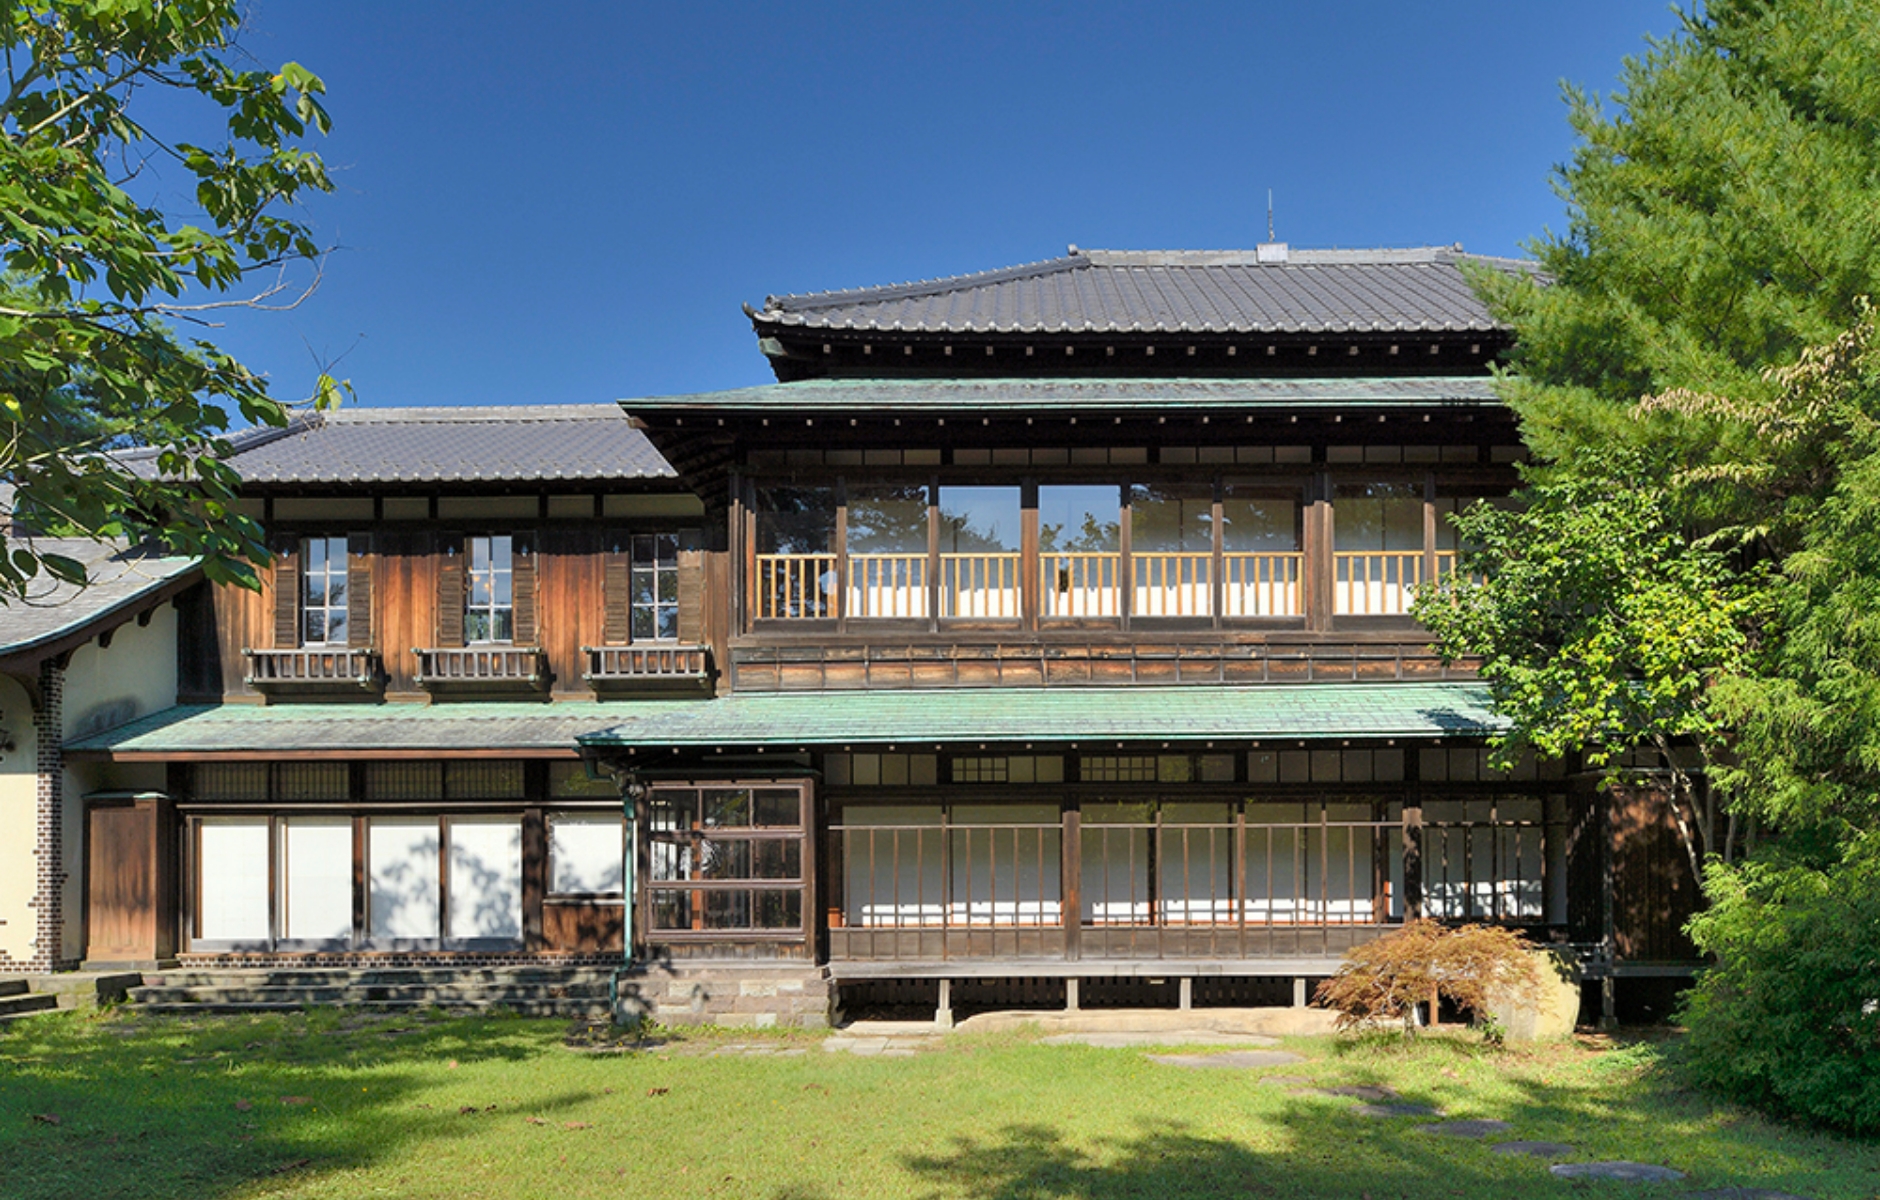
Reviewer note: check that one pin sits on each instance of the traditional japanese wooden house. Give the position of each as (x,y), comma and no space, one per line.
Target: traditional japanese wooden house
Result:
(1040,635)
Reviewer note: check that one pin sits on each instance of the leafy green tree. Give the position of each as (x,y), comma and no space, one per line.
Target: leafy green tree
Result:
(1697,374)
(98,280)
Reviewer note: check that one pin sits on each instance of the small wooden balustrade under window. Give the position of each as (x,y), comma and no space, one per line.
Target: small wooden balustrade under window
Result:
(314,670)
(655,666)
(482,668)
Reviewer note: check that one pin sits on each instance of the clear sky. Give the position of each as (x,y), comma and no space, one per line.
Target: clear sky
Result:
(568,202)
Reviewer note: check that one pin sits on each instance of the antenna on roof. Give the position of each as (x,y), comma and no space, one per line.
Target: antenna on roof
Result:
(1269,215)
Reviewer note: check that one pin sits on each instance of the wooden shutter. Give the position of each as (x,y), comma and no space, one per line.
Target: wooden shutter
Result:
(359,591)
(617,591)
(522,583)
(450,590)
(286,593)
(692,596)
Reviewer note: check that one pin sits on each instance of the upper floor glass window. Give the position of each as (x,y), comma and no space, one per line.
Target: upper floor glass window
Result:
(323,591)
(979,552)
(655,587)
(489,606)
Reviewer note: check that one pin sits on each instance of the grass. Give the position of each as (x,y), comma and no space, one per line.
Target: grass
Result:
(327,1104)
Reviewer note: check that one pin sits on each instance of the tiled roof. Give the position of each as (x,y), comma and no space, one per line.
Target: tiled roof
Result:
(1083,395)
(261,730)
(517,443)
(1308,711)
(51,610)
(1178,292)
(1417,710)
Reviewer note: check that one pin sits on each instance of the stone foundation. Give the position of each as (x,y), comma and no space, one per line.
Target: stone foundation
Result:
(705,992)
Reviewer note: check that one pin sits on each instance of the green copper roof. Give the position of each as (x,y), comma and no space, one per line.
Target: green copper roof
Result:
(285,728)
(791,719)
(1079,395)
(1138,714)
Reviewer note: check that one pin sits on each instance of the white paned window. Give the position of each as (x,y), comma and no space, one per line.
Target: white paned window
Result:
(316,879)
(586,854)
(485,877)
(323,591)
(234,879)
(655,589)
(401,854)
(489,606)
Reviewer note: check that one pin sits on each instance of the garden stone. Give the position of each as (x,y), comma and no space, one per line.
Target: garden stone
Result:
(1232,1060)
(1534,1149)
(1362,1091)
(1397,1110)
(1630,1171)
(1466,1129)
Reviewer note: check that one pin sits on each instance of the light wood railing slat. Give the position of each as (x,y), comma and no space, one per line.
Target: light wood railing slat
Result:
(1263,584)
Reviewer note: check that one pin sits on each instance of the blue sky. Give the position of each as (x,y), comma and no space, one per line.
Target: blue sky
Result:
(568,202)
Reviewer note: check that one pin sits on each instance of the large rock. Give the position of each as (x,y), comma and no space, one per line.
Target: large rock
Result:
(1555,1011)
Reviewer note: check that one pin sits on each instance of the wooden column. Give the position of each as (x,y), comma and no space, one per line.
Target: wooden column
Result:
(1429,528)
(1217,561)
(839,603)
(1071,892)
(1320,574)
(1412,836)
(1125,562)
(1030,586)
(935,593)
(534,875)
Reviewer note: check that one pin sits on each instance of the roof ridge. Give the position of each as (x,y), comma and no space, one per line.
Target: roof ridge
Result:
(447,414)
(940,285)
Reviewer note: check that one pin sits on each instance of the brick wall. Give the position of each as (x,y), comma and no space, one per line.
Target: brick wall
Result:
(49,824)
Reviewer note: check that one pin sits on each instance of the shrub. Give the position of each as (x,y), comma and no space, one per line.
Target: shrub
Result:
(1384,980)
(1788,1019)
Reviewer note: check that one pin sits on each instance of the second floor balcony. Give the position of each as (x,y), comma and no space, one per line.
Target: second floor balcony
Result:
(1094,554)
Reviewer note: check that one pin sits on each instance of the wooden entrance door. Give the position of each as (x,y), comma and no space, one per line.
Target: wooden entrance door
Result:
(130,893)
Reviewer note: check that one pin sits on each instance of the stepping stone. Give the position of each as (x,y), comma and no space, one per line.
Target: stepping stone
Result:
(1630,1171)
(1743,1193)
(1362,1091)
(1466,1129)
(1397,1110)
(1123,1038)
(1231,1061)
(1534,1149)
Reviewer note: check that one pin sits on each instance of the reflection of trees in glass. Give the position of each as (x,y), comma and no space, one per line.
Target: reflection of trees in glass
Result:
(1162,519)
(1378,516)
(1259,524)
(979,520)
(888,520)
(796,520)
(1079,518)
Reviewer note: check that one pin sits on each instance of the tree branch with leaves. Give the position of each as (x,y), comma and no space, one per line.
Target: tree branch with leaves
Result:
(96,279)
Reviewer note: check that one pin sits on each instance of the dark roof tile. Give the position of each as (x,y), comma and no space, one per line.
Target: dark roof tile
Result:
(1171,292)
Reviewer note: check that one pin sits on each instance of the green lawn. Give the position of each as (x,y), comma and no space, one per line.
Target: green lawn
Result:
(326,1105)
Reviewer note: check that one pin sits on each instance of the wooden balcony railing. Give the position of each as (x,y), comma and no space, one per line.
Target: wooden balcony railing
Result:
(1375,582)
(1262,584)
(482,667)
(979,585)
(1173,583)
(314,669)
(887,585)
(649,666)
(1080,584)
(795,587)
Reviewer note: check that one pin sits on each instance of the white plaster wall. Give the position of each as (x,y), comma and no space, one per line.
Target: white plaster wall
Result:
(19,793)
(105,688)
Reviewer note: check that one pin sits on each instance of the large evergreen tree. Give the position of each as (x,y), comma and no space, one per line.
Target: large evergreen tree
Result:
(1699,376)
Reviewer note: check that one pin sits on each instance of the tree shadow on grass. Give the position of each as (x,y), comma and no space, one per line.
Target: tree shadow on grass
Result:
(1313,1145)
(124,1106)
